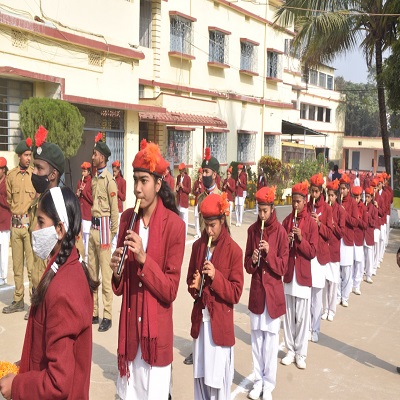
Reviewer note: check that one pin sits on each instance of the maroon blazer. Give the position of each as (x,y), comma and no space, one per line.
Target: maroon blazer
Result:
(338,226)
(198,188)
(261,182)
(226,290)
(381,209)
(351,218)
(162,280)
(266,281)
(229,187)
(372,213)
(5,213)
(359,230)
(183,192)
(324,212)
(121,184)
(390,192)
(61,342)
(170,180)
(241,184)
(301,254)
(86,198)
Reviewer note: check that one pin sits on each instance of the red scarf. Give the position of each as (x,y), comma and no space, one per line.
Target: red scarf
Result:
(269,226)
(149,324)
(360,206)
(299,222)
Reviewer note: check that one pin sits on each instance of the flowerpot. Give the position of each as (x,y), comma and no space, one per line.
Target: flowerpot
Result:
(281,202)
(251,204)
(191,201)
(288,200)
(276,202)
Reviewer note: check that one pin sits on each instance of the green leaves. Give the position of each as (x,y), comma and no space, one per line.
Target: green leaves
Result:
(62,120)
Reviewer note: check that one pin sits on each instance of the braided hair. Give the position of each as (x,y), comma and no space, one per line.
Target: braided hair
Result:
(46,204)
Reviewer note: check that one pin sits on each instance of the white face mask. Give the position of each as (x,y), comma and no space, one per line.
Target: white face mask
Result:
(43,241)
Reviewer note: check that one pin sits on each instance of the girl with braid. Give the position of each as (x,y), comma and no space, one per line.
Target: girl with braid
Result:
(57,351)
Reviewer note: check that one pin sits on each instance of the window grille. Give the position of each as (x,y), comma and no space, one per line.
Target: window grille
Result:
(273,65)
(289,49)
(271,146)
(96,59)
(115,142)
(145,23)
(180,146)
(303,111)
(12,93)
(19,39)
(217,142)
(102,118)
(248,57)
(328,115)
(180,35)
(322,80)
(141,91)
(218,47)
(320,114)
(311,112)
(246,147)
(329,82)
(313,77)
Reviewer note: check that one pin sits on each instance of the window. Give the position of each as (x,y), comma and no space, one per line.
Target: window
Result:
(313,77)
(289,49)
(246,147)
(327,115)
(322,80)
(248,57)
(218,47)
(145,23)
(180,146)
(141,91)
(329,82)
(320,114)
(303,111)
(271,145)
(273,65)
(180,35)
(217,142)
(11,95)
(311,112)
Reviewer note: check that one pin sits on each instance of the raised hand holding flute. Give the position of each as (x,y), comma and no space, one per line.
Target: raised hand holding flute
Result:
(259,250)
(206,258)
(294,226)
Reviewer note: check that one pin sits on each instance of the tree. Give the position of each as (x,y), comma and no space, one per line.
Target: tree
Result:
(62,120)
(328,28)
(391,77)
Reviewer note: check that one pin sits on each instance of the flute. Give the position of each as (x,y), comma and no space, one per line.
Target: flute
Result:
(313,204)
(206,258)
(294,225)
(131,225)
(259,251)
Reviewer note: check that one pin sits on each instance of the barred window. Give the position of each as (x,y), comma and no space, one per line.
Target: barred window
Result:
(311,112)
(273,65)
(180,35)
(246,147)
(271,146)
(322,80)
(327,115)
(320,114)
(289,49)
(329,82)
(218,47)
(180,146)
(217,142)
(145,23)
(303,111)
(248,57)
(313,77)
(12,93)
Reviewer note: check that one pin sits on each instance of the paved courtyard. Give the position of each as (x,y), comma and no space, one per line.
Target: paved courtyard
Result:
(356,356)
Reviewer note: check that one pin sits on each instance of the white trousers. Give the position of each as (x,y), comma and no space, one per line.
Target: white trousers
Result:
(369,260)
(358,270)
(344,286)
(330,297)
(296,325)
(4,247)
(145,382)
(85,236)
(316,309)
(387,229)
(264,349)
(184,214)
(382,242)
(239,213)
(376,257)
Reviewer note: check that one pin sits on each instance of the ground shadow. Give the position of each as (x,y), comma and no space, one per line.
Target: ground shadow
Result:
(107,361)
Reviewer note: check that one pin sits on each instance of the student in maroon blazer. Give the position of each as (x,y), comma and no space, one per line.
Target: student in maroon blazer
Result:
(266,259)
(183,188)
(241,186)
(57,352)
(261,182)
(383,219)
(333,270)
(359,238)
(84,193)
(382,206)
(169,179)
(390,196)
(121,184)
(303,241)
(148,282)
(377,201)
(198,188)
(321,213)
(221,267)
(372,213)
(347,243)
(228,186)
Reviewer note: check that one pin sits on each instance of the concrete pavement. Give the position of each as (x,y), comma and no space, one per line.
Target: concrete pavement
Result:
(356,356)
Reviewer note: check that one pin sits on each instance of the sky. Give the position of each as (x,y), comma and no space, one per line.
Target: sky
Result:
(352,67)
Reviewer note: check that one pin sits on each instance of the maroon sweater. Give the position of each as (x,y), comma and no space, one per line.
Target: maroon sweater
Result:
(86,198)
(359,230)
(338,226)
(372,213)
(229,187)
(241,184)
(183,192)
(351,218)
(5,213)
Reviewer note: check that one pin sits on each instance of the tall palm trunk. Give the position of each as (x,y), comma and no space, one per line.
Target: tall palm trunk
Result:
(382,105)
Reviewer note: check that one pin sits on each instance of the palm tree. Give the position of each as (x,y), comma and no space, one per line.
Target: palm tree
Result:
(326,28)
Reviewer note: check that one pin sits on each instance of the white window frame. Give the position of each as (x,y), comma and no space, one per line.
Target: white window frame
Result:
(246,147)
(217,142)
(273,65)
(179,146)
(181,35)
(248,56)
(218,47)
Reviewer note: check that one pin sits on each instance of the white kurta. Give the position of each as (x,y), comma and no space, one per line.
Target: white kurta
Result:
(333,272)
(346,254)
(318,273)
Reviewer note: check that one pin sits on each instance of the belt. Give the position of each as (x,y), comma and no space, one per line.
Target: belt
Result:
(20,221)
(95,223)
(20,216)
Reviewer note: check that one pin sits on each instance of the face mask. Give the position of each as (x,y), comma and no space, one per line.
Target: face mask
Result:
(40,183)
(207,181)
(43,241)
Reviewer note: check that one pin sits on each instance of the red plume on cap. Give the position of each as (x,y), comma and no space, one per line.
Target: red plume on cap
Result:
(181,166)
(266,195)
(86,165)
(224,204)
(207,154)
(143,144)
(229,170)
(334,185)
(116,163)
(345,179)
(40,136)
(98,137)
(369,190)
(374,183)
(215,205)
(380,178)
(317,180)
(356,190)
(301,188)
(28,141)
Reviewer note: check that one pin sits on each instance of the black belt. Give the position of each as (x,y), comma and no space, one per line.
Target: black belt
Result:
(95,221)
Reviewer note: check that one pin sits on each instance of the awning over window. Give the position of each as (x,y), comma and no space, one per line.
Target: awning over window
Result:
(289,128)
(175,118)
